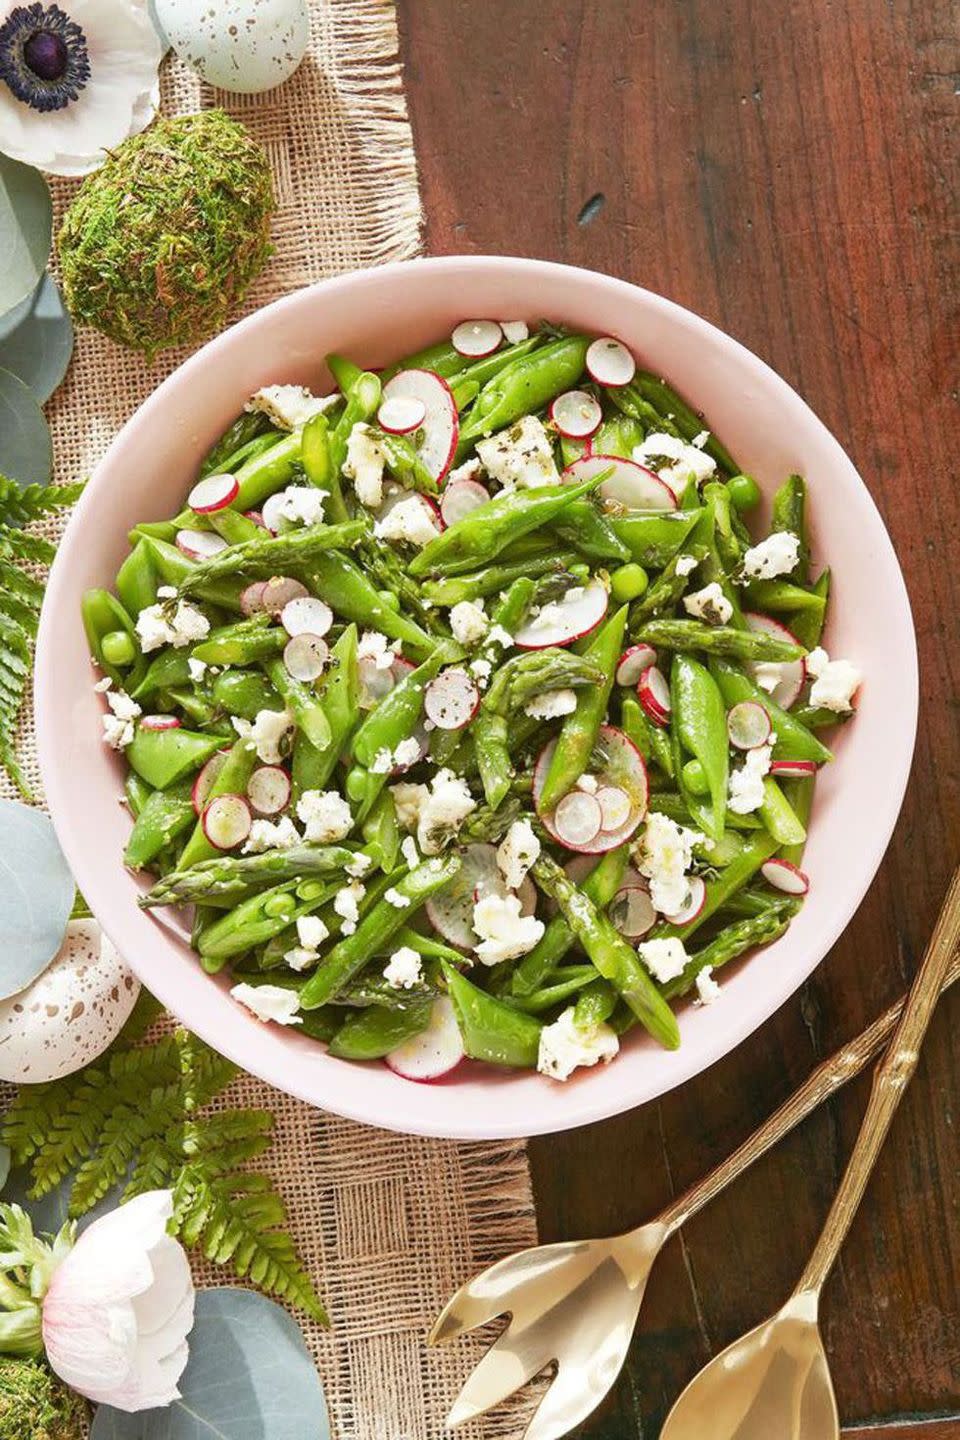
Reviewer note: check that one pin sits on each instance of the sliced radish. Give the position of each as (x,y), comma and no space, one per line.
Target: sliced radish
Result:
(226,821)
(653,692)
(435,1051)
(257,517)
(634,662)
(206,778)
(748,725)
(793,769)
(615,806)
(623,770)
(159,722)
(451,699)
(576,414)
(790,674)
(459,498)
(305,657)
(215,492)
(694,901)
(376,682)
(450,910)
(268,789)
(630,486)
(278,592)
(306,615)
(476,338)
(408,497)
(200,544)
(578,819)
(631,910)
(251,598)
(400,414)
(441,425)
(562,621)
(782,875)
(610,362)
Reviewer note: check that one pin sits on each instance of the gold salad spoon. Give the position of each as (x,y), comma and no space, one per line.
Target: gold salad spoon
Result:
(575,1304)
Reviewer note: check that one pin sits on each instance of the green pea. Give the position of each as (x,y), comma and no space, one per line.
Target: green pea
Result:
(356,783)
(117,648)
(310,889)
(580,572)
(695,778)
(744,491)
(628,583)
(278,906)
(388,598)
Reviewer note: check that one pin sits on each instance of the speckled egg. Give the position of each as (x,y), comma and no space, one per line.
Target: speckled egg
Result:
(70,1013)
(241,45)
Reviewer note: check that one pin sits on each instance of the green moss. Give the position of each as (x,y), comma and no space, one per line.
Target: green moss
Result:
(165,238)
(35,1406)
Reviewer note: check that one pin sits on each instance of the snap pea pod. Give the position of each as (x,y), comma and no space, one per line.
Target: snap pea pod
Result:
(525,385)
(234,527)
(669,803)
(248,426)
(758,848)
(747,903)
(562,985)
(319,469)
(244,693)
(302,701)
(231,779)
(654,538)
(372,1033)
(344,371)
(243,643)
(688,424)
(652,741)
(443,358)
(789,512)
(137,792)
(385,567)
(194,705)
(259,445)
(630,402)
(699,722)
(697,635)
(479,372)
(362,401)
(799,796)
(784,598)
(808,626)
(352,952)
(380,830)
(464,393)
(732,941)
(164,815)
(615,960)
(794,740)
(665,591)
(493,578)
(480,536)
(491,1029)
(819,717)
(709,531)
(161,757)
(594,1005)
(269,555)
(136,580)
(778,815)
(397,713)
(255,920)
(725,534)
(424,945)
(312,765)
(588,531)
(348,591)
(233,877)
(404,463)
(112,639)
(172,567)
(600,886)
(578,734)
(619,434)
(259,476)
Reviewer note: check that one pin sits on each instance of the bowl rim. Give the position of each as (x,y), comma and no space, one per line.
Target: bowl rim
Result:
(582,1107)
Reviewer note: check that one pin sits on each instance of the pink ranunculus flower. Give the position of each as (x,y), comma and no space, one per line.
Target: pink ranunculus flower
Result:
(120,1307)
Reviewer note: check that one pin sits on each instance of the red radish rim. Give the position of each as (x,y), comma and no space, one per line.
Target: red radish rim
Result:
(793,769)
(256,516)
(696,899)
(741,717)
(653,692)
(793,673)
(630,486)
(233,812)
(199,544)
(206,779)
(440,465)
(490,329)
(776,871)
(453,506)
(270,775)
(213,492)
(603,348)
(451,699)
(531,637)
(393,418)
(577,414)
(633,662)
(159,722)
(306,615)
(625,769)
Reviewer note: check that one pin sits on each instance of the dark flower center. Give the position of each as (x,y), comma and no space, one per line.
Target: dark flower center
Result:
(43,56)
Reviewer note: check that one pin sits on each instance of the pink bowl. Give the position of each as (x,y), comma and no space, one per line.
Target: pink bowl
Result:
(375,317)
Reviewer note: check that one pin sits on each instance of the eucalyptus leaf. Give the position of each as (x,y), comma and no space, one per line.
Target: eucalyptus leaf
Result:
(26,450)
(52,1210)
(4,1165)
(249,1377)
(26,229)
(36,895)
(39,349)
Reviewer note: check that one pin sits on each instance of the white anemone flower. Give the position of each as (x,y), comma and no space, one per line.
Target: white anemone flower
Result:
(119,1308)
(75,82)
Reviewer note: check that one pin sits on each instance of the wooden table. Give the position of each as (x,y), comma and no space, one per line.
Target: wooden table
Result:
(790,171)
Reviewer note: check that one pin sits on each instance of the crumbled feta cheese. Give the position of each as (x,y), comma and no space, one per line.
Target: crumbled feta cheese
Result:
(707,988)
(197,669)
(407,753)
(664,854)
(469,470)
(394,898)
(504,932)
(521,455)
(514,331)
(481,671)
(408,801)
(516,853)
(266,733)
(443,811)
(674,460)
(665,959)
(409,851)
(835,682)
(404,969)
(777,555)
(701,439)
(118,722)
(468,622)
(565,1046)
(497,635)
(270,1002)
(299,957)
(554,613)
(102,685)
(767,674)
(155,627)
(551,705)
(271,835)
(382,762)
(374,646)
(301,505)
(589,784)
(686,564)
(410,520)
(346,904)
(290,406)
(166,592)
(364,464)
(359,865)
(709,604)
(325,815)
(311,931)
(746,784)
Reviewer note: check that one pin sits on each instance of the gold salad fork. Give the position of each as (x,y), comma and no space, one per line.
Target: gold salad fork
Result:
(575,1304)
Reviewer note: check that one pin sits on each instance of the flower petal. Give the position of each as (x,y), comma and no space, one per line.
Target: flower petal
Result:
(91,1347)
(171,1283)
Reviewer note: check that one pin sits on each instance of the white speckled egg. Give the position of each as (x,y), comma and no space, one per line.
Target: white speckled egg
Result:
(240,45)
(70,1013)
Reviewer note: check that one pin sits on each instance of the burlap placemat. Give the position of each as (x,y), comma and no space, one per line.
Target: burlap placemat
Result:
(388,1225)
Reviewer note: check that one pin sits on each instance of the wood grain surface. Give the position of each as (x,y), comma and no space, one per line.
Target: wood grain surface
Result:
(789,170)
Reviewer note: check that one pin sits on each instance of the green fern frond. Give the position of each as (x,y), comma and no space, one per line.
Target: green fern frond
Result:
(18,545)
(19,505)
(126,1131)
(17,582)
(225,1130)
(19,613)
